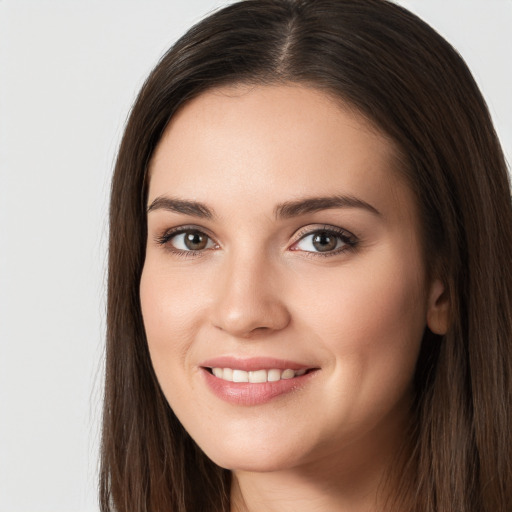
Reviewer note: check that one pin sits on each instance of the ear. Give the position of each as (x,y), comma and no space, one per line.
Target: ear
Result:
(438,311)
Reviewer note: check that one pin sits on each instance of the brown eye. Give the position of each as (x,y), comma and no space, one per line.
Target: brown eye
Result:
(195,240)
(324,241)
(190,240)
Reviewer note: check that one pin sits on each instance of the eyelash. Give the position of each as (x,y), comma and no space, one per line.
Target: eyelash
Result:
(349,240)
(167,236)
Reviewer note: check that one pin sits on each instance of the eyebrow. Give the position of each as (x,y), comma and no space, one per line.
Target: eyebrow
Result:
(315,204)
(282,211)
(192,208)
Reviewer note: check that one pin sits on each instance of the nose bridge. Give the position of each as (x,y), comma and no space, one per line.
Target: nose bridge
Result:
(248,298)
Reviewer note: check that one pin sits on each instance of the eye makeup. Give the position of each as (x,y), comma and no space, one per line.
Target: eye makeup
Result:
(324,241)
(315,240)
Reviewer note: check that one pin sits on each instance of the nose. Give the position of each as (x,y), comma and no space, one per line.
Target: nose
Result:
(249,299)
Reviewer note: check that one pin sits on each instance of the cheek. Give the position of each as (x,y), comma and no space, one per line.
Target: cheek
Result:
(371,322)
(168,313)
(173,309)
(362,302)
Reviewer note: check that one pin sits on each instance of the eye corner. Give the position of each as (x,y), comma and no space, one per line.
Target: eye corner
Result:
(343,241)
(186,241)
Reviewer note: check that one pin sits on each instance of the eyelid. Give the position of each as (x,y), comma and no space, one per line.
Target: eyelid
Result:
(348,238)
(168,234)
(314,228)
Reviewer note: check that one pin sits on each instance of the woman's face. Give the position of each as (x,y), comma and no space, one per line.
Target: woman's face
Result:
(283,246)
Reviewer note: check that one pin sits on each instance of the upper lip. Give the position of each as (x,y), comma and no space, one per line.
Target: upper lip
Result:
(253,363)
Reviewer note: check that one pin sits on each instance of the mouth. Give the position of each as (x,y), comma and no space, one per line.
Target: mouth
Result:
(257,376)
(255,381)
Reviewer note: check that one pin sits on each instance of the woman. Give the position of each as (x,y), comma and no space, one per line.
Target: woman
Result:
(309,286)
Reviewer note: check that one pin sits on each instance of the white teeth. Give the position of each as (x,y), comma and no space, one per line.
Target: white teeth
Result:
(218,372)
(240,376)
(256,376)
(288,374)
(274,375)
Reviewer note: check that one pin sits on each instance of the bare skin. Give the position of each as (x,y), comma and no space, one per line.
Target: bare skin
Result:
(279,227)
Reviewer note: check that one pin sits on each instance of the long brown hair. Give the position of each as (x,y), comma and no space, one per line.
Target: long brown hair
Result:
(400,74)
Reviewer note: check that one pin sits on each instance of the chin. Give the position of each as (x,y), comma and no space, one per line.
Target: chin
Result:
(254,464)
(252,456)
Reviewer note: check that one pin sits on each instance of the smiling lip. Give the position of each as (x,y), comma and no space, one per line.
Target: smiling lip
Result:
(252,363)
(247,393)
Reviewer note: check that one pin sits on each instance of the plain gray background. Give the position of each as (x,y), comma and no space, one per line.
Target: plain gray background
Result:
(69,72)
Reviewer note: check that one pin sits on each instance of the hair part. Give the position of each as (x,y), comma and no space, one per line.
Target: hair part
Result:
(383,61)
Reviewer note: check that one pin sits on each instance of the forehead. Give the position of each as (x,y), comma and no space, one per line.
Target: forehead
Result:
(242,144)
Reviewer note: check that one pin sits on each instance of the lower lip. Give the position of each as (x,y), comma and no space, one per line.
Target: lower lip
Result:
(247,393)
